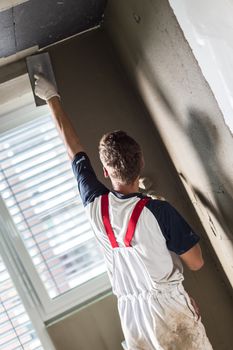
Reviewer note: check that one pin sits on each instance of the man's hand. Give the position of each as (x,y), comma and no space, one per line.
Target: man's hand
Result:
(44,89)
(47,91)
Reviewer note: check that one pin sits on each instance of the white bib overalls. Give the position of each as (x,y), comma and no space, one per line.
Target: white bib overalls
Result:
(153,316)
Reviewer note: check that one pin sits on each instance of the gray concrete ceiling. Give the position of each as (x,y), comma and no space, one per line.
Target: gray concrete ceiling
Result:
(44,22)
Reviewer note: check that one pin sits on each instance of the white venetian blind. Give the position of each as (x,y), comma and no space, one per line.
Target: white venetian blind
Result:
(16,329)
(40,192)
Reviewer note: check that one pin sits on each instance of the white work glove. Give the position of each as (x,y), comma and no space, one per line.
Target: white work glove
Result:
(44,89)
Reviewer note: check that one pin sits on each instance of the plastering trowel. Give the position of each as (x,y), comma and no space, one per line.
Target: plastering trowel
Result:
(40,64)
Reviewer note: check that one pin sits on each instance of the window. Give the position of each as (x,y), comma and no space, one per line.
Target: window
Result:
(40,192)
(16,329)
(46,222)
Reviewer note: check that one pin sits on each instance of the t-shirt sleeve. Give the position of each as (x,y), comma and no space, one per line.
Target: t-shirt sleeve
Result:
(88,184)
(178,234)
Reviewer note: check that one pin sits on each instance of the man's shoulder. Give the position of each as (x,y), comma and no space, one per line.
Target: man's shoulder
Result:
(158,205)
(88,184)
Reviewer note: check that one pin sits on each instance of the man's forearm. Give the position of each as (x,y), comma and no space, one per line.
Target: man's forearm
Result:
(65,127)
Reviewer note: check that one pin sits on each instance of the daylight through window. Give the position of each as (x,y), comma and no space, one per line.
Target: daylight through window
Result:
(16,329)
(40,192)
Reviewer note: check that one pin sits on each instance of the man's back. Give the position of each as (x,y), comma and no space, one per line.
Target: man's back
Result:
(146,275)
(149,240)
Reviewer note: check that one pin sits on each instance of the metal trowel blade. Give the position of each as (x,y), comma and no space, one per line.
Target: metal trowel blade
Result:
(40,64)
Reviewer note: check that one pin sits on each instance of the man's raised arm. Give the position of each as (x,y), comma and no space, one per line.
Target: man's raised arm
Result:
(46,91)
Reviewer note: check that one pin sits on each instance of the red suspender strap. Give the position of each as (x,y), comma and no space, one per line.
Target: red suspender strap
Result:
(134,219)
(106,220)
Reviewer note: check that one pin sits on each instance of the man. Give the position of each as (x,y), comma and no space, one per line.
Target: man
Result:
(143,240)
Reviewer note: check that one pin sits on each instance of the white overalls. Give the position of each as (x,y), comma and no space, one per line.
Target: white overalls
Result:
(154,316)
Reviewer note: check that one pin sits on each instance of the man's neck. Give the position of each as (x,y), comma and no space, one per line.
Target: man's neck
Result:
(126,189)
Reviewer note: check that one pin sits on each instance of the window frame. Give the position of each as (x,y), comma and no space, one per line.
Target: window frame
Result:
(19,259)
(20,281)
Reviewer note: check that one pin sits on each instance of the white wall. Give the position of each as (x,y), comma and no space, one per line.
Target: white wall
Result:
(208,27)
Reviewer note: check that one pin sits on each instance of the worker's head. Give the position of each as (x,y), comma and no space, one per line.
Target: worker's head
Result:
(121,157)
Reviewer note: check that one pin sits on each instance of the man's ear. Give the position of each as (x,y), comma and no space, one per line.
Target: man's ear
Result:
(105,173)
